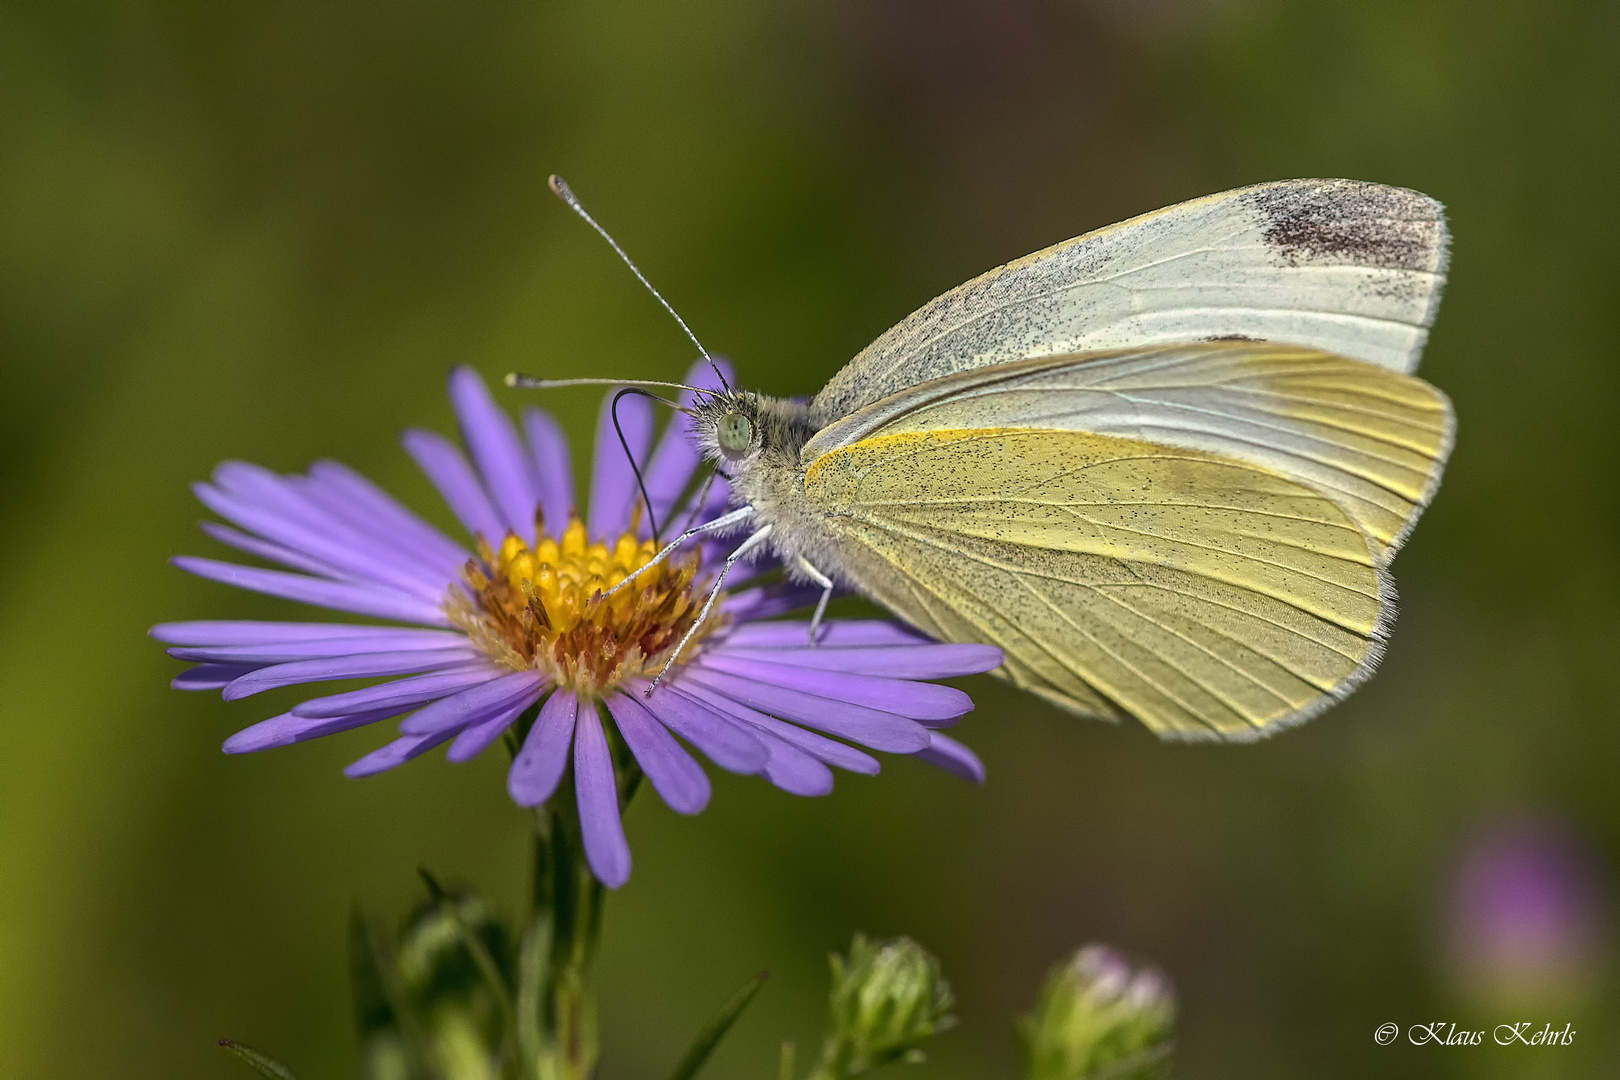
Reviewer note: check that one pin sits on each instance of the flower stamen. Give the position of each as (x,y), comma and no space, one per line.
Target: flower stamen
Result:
(542,608)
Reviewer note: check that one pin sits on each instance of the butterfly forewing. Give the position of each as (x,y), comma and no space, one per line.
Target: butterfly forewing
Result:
(1203,595)
(1337,265)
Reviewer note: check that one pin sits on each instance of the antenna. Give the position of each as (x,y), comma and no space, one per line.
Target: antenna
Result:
(518,381)
(560,188)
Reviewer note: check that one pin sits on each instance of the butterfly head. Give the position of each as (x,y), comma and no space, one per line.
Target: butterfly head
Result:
(739,430)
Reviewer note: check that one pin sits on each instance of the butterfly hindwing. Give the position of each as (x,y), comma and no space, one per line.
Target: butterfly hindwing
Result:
(1205,596)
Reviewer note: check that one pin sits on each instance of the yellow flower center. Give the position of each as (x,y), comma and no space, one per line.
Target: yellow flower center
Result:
(538,608)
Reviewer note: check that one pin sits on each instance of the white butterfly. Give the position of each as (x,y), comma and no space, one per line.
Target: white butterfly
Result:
(1164,466)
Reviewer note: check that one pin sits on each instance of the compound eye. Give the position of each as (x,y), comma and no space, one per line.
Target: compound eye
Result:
(735,434)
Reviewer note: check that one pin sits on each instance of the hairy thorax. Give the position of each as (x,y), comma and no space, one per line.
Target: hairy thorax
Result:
(770,478)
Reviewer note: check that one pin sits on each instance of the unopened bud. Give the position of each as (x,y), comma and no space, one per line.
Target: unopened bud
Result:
(886,999)
(1097,1017)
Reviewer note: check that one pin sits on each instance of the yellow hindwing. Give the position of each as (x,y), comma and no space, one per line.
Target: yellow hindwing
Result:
(1206,596)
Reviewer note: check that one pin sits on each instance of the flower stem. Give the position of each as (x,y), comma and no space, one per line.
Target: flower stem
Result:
(556,1015)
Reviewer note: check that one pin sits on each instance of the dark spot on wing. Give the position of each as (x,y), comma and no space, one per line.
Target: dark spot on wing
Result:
(1350,222)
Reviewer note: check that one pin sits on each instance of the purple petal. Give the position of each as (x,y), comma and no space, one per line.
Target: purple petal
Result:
(457,484)
(703,375)
(493,441)
(713,505)
(795,771)
(598,790)
(395,753)
(475,738)
(340,505)
(926,702)
(953,757)
(329,557)
(356,666)
(869,727)
(255,485)
(264,549)
(336,486)
(286,729)
(613,484)
(893,661)
(777,598)
(408,692)
(864,632)
(360,599)
(677,778)
(671,468)
(539,766)
(382,639)
(718,499)
(210,632)
(334,499)
(264,503)
(387,538)
(476,704)
(727,742)
(211,676)
(741,572)
(819,746)
(553,468)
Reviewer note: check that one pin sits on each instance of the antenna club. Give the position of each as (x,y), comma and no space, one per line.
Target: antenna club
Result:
(559,187)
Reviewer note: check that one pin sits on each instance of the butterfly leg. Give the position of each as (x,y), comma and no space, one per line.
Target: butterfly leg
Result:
(754,540)
(826,584)
(721,522)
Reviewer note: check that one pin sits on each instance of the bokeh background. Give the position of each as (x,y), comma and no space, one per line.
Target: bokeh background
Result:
(267,230)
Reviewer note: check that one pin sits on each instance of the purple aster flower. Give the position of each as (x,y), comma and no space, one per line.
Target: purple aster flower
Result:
(516,622)
(1526,912)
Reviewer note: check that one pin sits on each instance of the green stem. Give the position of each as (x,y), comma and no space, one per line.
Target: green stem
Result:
(556,1021)
(534,958)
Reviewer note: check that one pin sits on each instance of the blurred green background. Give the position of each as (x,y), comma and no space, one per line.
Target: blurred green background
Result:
(266,231)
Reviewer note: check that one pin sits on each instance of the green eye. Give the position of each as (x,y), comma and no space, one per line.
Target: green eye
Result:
(735,434)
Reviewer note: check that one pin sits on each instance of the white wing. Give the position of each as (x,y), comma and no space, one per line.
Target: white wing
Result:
(1336,265)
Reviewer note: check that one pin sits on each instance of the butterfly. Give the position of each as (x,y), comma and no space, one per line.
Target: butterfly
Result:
(1164,466)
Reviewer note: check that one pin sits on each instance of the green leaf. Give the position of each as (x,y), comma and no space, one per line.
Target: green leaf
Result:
(263,1064)
(487,967)
(392,1043)
(711,1035)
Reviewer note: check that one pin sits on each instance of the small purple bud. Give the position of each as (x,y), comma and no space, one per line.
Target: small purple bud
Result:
(1525,916)
(1097,1017)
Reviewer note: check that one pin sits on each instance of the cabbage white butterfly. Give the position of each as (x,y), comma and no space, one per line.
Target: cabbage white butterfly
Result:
(1164,465)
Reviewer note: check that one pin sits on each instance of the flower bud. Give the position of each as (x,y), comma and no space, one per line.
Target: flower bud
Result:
(1526,916)
(1096,1017)
(886,998)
